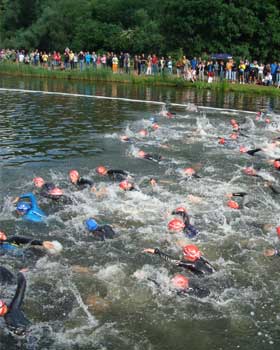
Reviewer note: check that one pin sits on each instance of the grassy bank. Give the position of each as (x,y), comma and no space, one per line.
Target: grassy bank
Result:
(104,75)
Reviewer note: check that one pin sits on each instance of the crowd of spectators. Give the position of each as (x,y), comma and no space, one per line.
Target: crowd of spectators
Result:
(242,71)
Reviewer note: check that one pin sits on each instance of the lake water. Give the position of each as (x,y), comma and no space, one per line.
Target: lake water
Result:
(109,295)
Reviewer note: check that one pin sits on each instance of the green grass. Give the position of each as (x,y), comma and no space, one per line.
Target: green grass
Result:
(106,75)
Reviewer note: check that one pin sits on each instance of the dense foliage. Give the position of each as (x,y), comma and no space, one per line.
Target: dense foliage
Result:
(242,28)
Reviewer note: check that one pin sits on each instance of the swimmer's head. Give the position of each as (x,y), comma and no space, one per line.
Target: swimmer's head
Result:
(153,181)
(243,149)
(143,132)
(155,126)
(176,225)
(222,141)
(267,120)
(233,122)
(101,170)
(276,164)
(56,192)
(91,224)
(23,207)
(233,205)
(152,119)
(179,210)
(74,176)
(278,231)
(124,138)
(191,252)
(180,282)
(142,154)
(189,171)
(234,136)
(3,236)
(38,182)
(3,308)
(250,171)
(125,185)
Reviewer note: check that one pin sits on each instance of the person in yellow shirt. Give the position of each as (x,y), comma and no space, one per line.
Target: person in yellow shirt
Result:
(45,58)
(71,59)
(228,70)
(241,70)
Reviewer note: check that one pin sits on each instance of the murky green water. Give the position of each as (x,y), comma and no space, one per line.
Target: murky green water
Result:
(114,305)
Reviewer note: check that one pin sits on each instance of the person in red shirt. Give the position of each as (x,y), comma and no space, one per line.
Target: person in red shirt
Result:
(154,64)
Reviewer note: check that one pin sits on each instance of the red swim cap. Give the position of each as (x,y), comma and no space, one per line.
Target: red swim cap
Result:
(235,127)
(250,171)
(233,121)
(125,185)
(73,173)
(176,225)
(278,231)
(143,132)
(180,210)
(180,281)
(267,120)
(276,164)
(3,237)
(155,126)
(233,205)
(191,252)
(141,154)
(124,138)
(189,171)
(234,136)
(38,181)
(3,308)
(101,170)
(56,192)
(243,149)
(222,141)
(169,115)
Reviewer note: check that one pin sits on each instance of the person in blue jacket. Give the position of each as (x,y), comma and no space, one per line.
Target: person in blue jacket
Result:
(28,208)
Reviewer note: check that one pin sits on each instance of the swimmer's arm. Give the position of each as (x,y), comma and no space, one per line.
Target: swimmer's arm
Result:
(162,255)
(18,240)
(19,296)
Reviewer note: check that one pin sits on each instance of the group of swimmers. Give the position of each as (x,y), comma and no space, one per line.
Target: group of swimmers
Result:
(192,261)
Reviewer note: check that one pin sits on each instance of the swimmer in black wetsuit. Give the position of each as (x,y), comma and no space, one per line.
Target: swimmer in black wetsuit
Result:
(189,229)
(49,190)
(234,204)
(150,156)
(13,315)
(13,245)
(193,260)
(185,287)
(113,174)
(78,181)
(100,232)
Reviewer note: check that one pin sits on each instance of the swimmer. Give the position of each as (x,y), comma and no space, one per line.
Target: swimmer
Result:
(15,244)
(250,152)
(78,181)
(192,261)
(125,138)
(125,185)
(273,251)
(184,287)
(190,173)
(99,232)
(49,190)
(149,156)
(189,230)
(29,210)
(234,204)
(12,313)
(113,174)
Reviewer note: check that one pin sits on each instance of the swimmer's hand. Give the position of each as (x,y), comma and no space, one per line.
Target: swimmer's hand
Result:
(14,201)
(149,250)
(270,252)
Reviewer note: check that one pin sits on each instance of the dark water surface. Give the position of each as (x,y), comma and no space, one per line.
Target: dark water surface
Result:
(112,304)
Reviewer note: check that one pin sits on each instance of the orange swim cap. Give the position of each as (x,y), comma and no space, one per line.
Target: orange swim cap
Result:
(180,281)
(176,225)
(101,170)
(191,252)
(233,205)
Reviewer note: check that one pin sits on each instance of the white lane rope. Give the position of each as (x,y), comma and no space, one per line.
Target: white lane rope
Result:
(120,99)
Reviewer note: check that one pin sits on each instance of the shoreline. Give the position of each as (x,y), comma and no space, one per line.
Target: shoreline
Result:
(104,75)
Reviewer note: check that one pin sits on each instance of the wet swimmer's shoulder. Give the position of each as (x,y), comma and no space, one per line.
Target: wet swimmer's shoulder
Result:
(14,318)
(99,232)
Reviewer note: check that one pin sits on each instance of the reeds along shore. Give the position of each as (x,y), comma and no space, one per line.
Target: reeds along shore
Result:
(106,75)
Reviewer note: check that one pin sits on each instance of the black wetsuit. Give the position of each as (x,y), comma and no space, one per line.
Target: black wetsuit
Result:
(14,318)
(13,247)
(153,157)
(6,277)
(103,232)
(83,183)
(117,175)
(252,152)
(200,267)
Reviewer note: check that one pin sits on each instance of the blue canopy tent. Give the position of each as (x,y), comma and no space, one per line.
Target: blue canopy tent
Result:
(221,56)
